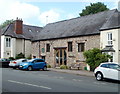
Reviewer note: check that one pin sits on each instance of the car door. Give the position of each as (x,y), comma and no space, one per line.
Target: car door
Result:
(40,63)
(35,64)
(105,70)
(113,71)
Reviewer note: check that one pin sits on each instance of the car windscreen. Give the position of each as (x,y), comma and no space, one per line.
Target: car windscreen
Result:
(30,60)
(114,66)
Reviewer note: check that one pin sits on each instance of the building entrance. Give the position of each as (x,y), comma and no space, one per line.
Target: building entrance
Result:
(60,57)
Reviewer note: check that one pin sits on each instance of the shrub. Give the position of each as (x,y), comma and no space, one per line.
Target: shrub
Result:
(48,66)
(94,57)
(30,57)
(11,58)
(19,56)
(63,67)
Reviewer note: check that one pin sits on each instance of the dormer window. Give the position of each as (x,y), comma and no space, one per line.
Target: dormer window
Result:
(109,38)
(30,30)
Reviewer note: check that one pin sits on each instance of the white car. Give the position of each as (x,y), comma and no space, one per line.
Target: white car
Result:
(15,63)
(109,70)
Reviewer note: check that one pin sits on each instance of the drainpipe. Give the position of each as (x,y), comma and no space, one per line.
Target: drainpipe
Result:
(39,49)
(24,48)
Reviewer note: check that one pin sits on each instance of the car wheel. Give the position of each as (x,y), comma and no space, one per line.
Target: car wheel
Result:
(99,76)
(45,68)
(14,68)
(30,68)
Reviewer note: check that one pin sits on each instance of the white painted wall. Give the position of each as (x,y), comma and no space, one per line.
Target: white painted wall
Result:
(17,46)
(2,46)
(5,50)
(13,47)
(28,48)
(116,40)
(119,45)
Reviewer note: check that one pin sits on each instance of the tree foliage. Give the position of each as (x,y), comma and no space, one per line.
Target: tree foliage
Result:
(94,57)
(6,23)
(93,8)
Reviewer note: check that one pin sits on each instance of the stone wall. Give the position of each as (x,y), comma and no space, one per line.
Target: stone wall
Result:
(39,48)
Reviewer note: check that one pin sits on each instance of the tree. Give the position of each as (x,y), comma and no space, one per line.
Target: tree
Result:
(93,8)
(6,23)
(94,57)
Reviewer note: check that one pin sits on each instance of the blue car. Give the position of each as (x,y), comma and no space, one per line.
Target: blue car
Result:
(33,64)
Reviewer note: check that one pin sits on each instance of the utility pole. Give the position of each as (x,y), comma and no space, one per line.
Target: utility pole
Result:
(46,20)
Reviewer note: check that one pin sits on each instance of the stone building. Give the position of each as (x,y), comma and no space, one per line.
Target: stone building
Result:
(65,41)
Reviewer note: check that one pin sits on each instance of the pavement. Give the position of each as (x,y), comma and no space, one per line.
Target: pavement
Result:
(77,72)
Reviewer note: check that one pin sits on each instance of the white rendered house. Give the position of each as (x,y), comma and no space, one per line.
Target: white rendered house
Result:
(16,38)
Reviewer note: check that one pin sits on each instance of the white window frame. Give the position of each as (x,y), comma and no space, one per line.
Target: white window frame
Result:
(109,39)
(8,42)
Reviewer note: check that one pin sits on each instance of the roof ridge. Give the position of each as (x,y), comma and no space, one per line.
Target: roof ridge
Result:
(82,16)
(32,26)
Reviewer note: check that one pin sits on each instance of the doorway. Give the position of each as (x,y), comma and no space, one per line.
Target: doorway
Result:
(60,57)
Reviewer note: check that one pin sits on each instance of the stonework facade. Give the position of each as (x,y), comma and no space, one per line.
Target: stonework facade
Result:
(39,49)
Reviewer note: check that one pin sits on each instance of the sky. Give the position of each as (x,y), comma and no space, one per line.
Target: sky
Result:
(42,12)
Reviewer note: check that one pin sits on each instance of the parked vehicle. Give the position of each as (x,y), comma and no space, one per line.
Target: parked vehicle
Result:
(33,64)
(4,62)
(15,63)
(109,70)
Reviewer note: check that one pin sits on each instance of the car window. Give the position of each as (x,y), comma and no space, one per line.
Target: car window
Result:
(114,66)
(39,60)
(24,60)
(104,65)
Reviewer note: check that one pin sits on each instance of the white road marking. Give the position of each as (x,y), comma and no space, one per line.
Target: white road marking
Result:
(15,82)
(29,84)
(61,77)
(76,80)
(99,83)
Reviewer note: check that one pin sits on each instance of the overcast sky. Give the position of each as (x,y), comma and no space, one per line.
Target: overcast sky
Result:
(38,13)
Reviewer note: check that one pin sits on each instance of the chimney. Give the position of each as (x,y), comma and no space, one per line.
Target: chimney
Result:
(18,29)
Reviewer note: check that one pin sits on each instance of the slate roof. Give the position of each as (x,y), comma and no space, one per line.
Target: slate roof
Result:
(112,22)
(9,31)
(81,26)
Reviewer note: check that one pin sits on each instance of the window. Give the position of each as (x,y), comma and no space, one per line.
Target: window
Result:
(81,47)
(47,47)
(69,46)
(114,66)
(109,38)
(39,60)
(104,65)
(30,30)
(8,42)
